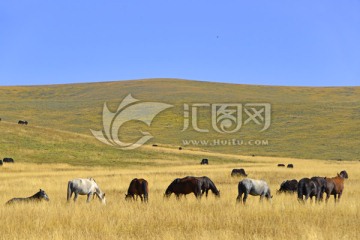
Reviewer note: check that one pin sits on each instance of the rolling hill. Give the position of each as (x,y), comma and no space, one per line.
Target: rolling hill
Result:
(321,123)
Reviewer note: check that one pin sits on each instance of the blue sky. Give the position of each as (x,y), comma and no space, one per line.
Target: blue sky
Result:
(297,43)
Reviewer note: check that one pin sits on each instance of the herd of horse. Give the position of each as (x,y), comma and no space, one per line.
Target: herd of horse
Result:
(306,187)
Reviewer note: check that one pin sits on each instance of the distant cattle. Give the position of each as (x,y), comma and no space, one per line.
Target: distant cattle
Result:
(238,172)
(180,148)
(288,186)
(344,174)
(204,161)
(138,187)
(281,165)
(154,145)
(8,160)
(21,122)
(290,165)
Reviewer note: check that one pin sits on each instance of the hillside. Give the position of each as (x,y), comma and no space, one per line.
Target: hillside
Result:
(322,123)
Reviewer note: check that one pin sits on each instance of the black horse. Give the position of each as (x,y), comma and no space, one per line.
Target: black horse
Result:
(183,186)
(321,182)
(288,186)
(308,188)
(206,185)
(37,197)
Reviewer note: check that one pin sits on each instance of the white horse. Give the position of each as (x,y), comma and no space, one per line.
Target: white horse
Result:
(254,188)
(85,186)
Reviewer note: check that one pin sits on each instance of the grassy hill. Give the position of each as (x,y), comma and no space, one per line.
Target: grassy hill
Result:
(322,123)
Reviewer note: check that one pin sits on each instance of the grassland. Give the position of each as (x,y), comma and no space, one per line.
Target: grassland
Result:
(320,123)
(283,218)
(308,126)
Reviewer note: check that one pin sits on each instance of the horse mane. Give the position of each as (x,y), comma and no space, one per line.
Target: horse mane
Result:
(92,179)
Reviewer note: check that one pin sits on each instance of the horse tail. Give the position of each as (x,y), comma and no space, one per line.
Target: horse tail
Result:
(145,190)
(240,192)
(69,192)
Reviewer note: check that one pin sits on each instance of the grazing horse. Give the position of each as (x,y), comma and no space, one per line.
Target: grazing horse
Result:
(288,186)
(206,185)
(309,188)
(37,197)
(84,186)
(334,186)
(238,172)
(253,187)
(138,187)
(184,186)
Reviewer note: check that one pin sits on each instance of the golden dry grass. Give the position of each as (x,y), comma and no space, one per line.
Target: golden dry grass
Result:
(188,218)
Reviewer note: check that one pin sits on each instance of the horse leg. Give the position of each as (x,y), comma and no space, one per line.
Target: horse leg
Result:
(327,197)
(339,196)
(141,198)
(75,197)
(261,197)
(207,190)
(88,197)
(239,198)
(335,197)
(245,197)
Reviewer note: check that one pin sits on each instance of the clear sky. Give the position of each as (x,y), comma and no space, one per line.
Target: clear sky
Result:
(307,43)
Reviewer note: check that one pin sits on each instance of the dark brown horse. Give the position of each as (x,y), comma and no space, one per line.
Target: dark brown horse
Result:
(184,186)
(206,185)
(335,186)
(138,187)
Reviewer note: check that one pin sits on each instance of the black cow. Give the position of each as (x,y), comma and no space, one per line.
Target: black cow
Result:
(8,160)
(154,145)
(281,165)
(290,165)
(180,148)
(288,186)
(238,172)
(204,161)
(21,122)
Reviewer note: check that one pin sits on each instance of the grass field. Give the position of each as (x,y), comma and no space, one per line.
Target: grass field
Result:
(316,129)
(283,218)
(324,121)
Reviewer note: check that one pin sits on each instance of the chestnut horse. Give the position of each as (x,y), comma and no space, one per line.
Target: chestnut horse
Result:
(335,186)
(138,187)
